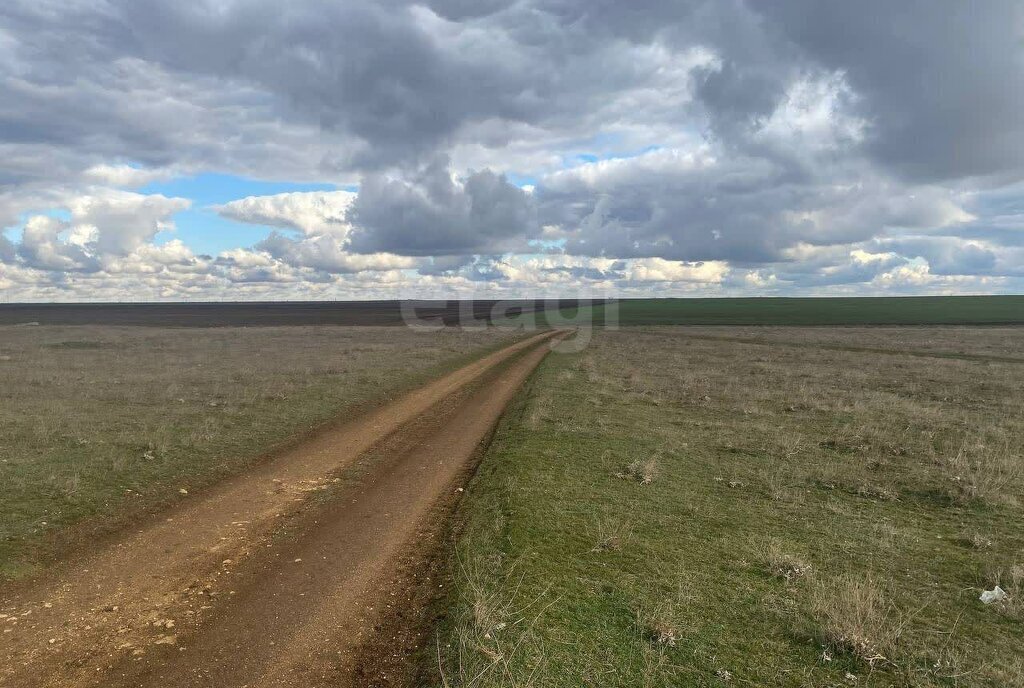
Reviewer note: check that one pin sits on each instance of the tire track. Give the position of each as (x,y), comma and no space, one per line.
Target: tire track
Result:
(211,596)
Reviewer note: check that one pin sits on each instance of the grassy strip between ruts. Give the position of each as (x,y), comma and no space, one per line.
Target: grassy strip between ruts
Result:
(663,510)
(98,424)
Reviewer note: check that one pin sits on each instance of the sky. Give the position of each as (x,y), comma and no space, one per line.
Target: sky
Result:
(341,149)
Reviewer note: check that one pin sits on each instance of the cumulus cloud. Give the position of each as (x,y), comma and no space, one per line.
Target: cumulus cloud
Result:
(660,270)
(120,222)
(326,253)
(7,250)
(322,219)
(941,82)
(124,176)
(98,229)
(433,213)
(790,145)
(312,213)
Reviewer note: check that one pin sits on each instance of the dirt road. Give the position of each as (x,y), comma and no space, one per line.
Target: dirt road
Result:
(298,573)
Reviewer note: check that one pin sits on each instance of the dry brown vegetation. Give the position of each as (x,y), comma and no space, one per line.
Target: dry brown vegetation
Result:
(855,617)
(97,423)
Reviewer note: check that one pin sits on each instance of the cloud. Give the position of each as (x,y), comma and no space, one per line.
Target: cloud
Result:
(940,82)
(660,270)
(312,213)
(100,229)
(42,246)
(326,253)
(120,222)
(431,213)
(947,255)
(8,252)
(747,145)
(322,218)
(124,176)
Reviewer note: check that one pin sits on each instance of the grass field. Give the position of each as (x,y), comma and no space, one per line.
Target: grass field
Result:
(759,506)
(100,423)
(915,310)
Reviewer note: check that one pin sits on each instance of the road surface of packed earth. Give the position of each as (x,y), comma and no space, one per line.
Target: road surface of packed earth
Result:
(306,571)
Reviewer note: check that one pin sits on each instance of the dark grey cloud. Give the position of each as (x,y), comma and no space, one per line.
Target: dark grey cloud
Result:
(428,213)
(444,265)
(588,273)
(745,210)
(8,252)
(778,126)
(945,255)
(942,81)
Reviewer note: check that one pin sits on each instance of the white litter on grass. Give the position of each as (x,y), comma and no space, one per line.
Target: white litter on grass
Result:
(997,594)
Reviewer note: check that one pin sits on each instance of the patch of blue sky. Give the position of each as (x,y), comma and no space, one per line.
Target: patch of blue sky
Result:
(521,180)
(595,154)
(215,189)
(200,227)
(547,245)
(205,231)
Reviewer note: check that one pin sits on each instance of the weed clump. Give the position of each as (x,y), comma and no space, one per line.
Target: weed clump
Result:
(856,619)
(643,472)
(982,473)
(661,632)
(783,565)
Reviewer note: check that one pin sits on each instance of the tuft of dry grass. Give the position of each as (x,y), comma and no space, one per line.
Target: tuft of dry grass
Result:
(856,619)
(781,564)
(611,535)
(659,627)
(641,471)
(983,472)
(662,633)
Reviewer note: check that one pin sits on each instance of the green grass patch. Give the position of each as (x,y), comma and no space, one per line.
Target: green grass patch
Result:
(670,510)
(911,310)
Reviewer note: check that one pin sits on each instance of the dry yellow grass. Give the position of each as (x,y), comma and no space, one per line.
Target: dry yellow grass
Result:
(100,422)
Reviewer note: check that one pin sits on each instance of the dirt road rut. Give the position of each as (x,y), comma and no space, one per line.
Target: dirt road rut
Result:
(284,576)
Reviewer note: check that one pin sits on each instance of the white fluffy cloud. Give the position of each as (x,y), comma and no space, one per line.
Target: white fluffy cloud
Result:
(314,213)
(322,219)
(645,147)
(100,229)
